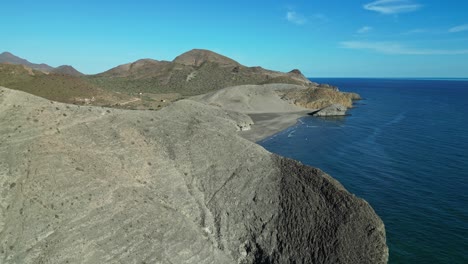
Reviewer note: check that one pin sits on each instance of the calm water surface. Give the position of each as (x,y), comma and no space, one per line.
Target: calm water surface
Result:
(404,149)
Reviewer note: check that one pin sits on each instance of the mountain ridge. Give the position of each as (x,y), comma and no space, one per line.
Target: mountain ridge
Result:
(150,68)
(194,72)
(145,83)
(8,57)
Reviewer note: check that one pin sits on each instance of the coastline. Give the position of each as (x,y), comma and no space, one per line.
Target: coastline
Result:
(268,124)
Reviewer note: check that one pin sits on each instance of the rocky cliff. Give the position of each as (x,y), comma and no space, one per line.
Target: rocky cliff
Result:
(82,184)
(319,96)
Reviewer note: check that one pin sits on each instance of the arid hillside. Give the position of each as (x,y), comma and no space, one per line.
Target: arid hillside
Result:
(84,184)
(192,73)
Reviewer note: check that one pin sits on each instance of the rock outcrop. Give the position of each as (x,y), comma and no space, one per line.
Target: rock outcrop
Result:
(320,96)
(331,110)
(85,184)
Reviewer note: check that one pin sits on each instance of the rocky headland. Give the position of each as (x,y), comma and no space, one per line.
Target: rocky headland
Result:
(85,184)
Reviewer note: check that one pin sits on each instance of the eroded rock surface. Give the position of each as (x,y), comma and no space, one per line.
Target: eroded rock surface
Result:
(320,96)
(331,110)
(96,185)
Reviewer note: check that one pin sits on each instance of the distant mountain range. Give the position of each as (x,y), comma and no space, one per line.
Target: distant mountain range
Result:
(151,83)
(8,58)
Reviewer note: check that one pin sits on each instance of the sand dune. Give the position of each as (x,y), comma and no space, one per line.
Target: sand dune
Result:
(252,99)
(263,103)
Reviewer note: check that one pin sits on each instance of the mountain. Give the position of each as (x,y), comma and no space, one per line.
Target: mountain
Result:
(197,57)
(144,68)
(7,57)
(56,87)
(66,70)
(192,73)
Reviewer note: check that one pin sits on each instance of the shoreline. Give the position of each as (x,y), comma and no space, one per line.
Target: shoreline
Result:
(268,124)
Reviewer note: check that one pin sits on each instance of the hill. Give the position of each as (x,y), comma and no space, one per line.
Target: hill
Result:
(66,70)
(179,185)
(140,69)
(197,57)
(56,87)
(192,73)
(7,57)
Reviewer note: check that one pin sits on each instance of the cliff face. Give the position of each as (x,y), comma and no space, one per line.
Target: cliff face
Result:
(96,185)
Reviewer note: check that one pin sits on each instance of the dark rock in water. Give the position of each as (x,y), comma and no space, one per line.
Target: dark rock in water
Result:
(332,110)
(178,185)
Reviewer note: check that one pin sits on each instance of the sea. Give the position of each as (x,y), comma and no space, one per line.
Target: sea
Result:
(404,149)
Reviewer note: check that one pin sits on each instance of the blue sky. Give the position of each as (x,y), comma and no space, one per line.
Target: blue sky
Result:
(333,38)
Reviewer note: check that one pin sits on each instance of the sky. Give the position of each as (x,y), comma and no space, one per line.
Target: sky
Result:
(322,38)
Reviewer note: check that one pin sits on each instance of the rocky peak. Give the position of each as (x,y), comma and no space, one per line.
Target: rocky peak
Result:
(7,57)
(67,70)
(296,71)
(197,57)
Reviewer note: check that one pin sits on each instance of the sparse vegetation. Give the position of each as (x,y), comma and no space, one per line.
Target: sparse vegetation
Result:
(144,84)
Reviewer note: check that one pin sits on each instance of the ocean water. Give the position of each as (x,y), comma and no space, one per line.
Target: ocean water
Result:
(404,149)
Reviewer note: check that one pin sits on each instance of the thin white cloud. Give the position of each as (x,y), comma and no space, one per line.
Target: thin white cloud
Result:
(459,28)
(320,17)
(389,7)
(397,48)
(365,29)
(296,18)
(416,31)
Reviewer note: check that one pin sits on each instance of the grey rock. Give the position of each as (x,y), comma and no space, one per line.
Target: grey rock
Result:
(178,185)
(331,110)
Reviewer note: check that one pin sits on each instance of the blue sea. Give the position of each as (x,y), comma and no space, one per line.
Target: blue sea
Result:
(404,149)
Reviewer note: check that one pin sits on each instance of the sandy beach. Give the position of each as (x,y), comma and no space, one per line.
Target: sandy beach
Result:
(268,124)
